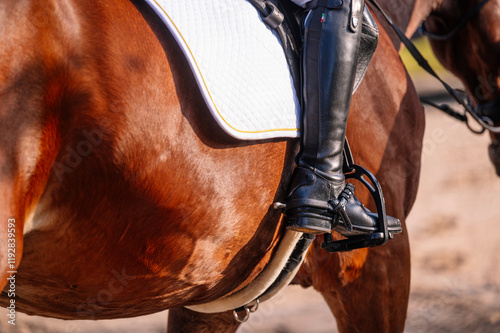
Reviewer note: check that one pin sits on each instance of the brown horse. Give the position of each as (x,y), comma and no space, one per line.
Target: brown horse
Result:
(472,53)
(127,199)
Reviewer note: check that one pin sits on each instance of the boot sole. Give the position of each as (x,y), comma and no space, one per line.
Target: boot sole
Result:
(365,231)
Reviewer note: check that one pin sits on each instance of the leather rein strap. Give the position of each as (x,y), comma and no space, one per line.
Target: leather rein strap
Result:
(484,121)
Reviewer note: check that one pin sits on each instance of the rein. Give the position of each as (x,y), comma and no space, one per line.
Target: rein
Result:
(484,119)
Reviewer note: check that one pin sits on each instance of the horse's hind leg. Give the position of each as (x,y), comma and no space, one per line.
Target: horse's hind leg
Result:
(182,320)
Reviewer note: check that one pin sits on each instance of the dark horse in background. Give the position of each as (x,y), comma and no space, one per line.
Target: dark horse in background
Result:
(127,199)
(471,52)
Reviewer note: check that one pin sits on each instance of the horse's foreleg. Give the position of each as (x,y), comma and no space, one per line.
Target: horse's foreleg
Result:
(28,148)
(367,290)
(29,130)
(182,320)
(377,300)
(11,232)
(24,170)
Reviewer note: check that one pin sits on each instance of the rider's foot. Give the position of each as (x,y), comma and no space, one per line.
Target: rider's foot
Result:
(314,206)
(362,220)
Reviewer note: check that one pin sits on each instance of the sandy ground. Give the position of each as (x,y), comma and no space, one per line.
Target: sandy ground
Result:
(455,240)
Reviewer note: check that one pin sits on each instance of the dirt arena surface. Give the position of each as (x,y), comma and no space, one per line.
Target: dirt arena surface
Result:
(455,241)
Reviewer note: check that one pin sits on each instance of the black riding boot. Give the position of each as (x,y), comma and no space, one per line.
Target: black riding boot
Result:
(331,42)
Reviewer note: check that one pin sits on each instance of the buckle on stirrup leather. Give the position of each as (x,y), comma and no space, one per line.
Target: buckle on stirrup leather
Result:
(379,237)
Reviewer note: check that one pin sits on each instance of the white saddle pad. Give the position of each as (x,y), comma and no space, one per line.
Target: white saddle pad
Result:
(238,63)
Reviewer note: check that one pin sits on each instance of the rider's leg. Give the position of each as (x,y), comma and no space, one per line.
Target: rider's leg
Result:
(331,42)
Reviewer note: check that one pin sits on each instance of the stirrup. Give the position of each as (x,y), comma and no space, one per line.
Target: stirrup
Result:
(379,237)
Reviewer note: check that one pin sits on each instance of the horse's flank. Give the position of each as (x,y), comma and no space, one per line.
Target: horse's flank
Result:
(113,181)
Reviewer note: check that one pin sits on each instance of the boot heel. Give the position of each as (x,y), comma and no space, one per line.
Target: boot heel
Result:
(309,224)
